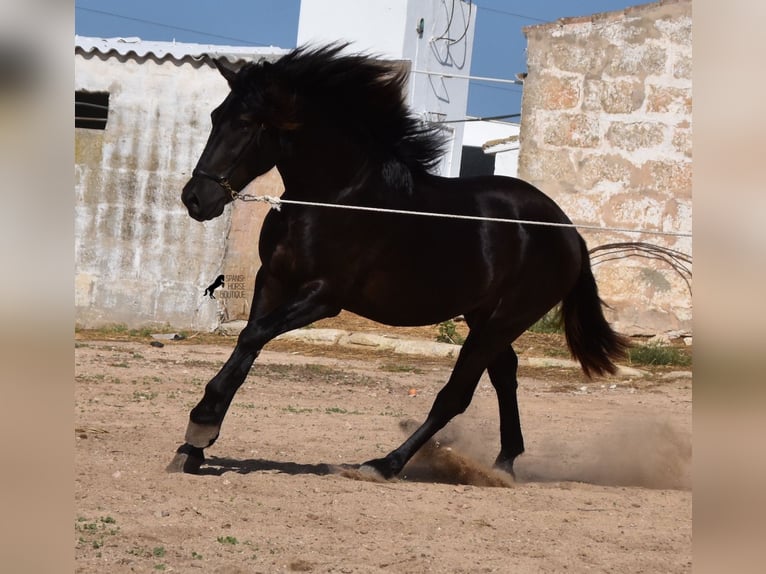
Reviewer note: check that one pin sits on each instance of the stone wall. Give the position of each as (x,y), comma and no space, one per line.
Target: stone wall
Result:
(606,132)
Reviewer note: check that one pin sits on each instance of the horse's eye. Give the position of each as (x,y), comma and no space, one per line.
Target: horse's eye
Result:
(244,122)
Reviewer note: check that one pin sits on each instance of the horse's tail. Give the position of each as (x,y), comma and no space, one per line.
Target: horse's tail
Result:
(589,337)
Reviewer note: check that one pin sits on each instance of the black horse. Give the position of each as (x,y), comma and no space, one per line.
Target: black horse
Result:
(338,130)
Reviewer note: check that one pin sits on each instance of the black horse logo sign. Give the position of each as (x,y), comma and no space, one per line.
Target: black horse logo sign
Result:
(219,282)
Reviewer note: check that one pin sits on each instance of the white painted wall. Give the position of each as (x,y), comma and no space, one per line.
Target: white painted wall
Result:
(499,139)
(507,159)
(479,133)
(373,25)
(388,28)
(139,258)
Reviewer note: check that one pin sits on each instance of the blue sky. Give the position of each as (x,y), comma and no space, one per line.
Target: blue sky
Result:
(498,49)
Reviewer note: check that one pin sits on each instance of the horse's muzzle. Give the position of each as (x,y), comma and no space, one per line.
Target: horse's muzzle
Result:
(204,199)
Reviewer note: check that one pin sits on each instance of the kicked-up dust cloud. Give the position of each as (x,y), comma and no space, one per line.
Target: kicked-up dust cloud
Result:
(644,452)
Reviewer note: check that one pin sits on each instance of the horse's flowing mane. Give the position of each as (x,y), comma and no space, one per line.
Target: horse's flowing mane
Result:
(361,96)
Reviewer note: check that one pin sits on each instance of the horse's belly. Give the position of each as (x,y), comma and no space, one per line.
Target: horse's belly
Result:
(412,302)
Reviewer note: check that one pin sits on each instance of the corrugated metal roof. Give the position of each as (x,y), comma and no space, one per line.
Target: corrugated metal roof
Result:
(134,47)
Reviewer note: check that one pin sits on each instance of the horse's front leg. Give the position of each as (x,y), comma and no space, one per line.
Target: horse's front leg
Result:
(310,303)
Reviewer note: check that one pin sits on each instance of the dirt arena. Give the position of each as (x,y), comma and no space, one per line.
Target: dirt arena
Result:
(605,484)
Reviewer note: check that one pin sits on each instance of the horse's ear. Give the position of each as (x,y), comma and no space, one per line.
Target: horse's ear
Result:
(226,72)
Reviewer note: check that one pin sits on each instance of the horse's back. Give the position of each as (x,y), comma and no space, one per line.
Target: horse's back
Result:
(520,237)
(492,196)
(431,268)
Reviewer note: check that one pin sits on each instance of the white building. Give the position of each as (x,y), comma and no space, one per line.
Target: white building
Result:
(142,118)
(490,148)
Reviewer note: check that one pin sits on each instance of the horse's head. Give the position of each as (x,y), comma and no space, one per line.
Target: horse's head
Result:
(243,144)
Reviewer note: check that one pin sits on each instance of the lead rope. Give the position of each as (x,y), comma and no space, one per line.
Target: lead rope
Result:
(277,202)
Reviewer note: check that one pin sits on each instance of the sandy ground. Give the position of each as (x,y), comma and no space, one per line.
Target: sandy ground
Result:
(604,486)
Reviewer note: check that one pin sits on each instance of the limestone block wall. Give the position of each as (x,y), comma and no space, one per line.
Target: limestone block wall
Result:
(606,132)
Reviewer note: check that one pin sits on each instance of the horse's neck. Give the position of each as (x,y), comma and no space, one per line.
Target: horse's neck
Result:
(335,169)
(329,177)
(371,185)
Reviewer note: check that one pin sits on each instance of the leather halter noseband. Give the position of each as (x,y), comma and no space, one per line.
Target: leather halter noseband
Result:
(221,180)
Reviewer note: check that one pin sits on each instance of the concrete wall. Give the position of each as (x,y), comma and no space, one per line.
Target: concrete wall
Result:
(606,131)
(139,258)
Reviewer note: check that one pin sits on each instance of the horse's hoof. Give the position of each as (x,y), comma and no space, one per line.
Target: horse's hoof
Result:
(505,465)
(188,459)
(378,468)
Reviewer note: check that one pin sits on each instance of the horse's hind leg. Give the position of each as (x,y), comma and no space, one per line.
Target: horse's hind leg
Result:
(502,373)
(452,400)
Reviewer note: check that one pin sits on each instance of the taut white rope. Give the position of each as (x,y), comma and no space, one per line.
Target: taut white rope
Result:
(276,203)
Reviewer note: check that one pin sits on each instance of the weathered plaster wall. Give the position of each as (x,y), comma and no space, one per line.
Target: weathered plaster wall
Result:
(139,258)
(606,132)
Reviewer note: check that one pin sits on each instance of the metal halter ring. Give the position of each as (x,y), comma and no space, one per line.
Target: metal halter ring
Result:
(223,181)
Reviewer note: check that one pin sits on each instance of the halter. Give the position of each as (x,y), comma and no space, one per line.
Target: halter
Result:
(221,180)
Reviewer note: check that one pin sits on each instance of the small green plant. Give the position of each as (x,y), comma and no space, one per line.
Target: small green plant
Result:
(657,354)
(297,410)
(142,332)
(160,567)
(228,540)
(549,323)
(341,411)
(448,333)
(116,328)
(196,556)
(95,531)
(158,551)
